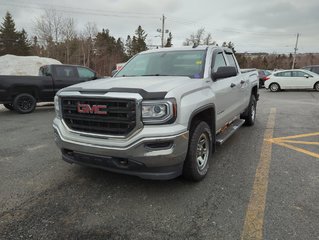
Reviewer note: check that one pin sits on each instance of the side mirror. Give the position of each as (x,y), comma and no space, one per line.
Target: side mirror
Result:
(306,76)
(48,74)
(224,72)
(114,72)
(95,76)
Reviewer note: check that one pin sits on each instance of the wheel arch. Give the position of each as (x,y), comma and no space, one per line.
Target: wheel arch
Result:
(207,114)
(18,89)
(275,83)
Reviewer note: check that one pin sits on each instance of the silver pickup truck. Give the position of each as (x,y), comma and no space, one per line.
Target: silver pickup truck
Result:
(159,117)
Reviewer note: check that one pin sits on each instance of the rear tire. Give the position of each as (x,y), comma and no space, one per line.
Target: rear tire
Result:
(316,87)
(250,114)
(199,152)
(24,103)
(8,106)
(274,87)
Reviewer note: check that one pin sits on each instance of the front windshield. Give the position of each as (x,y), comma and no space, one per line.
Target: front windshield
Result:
(172,63)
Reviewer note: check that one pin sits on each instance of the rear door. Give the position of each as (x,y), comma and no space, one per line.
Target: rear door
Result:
(64,76)
(284,79)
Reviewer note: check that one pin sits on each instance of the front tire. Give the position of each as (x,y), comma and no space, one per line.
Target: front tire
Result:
(24,103)
(274,87)
(199,152)
(8,106)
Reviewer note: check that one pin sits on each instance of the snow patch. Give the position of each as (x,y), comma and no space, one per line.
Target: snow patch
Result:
(28,65)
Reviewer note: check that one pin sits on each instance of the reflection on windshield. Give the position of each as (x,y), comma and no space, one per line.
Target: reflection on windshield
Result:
(173,63)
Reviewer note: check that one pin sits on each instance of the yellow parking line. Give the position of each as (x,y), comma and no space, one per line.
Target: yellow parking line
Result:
(254,220)
(298,142)
(297,149)
(299,136)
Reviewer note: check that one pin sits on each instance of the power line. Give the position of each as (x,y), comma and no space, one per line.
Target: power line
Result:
(83,11)
(34,3)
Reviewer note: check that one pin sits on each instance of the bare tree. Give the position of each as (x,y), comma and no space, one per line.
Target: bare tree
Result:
(87,42)
(49,27)
(199,38)
(68,33)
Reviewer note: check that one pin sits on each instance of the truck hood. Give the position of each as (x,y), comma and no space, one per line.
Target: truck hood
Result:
(149,84)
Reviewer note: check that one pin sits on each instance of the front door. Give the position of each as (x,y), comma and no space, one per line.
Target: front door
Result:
(226,92)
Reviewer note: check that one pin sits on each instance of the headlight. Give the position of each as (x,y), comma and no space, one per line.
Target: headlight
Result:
(159,111)
(57,106)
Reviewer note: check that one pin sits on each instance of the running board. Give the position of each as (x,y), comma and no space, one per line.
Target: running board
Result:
(233,127)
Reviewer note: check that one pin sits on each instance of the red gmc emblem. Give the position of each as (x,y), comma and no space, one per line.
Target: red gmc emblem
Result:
(94,109)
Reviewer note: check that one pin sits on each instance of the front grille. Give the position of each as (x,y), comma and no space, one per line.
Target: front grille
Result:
(119,120)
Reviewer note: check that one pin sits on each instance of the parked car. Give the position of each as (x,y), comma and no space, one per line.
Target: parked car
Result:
(262,74)
(292,79)
(312,68)
(21,93)
(160,116)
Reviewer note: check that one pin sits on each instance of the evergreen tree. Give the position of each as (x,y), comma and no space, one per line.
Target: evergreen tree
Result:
(8,36)
(24,45)
(138,42)
(169,40)
(12,41)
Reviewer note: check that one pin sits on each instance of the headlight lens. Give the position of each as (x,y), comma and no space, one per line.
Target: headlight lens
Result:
(159,112)
(57,106)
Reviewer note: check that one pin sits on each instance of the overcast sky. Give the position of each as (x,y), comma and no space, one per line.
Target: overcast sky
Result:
(253,26)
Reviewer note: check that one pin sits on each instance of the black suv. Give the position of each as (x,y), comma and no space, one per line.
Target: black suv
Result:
(312,68)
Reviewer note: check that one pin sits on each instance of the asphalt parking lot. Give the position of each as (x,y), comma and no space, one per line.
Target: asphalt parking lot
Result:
(262,184)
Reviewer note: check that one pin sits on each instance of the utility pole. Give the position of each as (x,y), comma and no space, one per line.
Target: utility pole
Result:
(296,48)
(163,29)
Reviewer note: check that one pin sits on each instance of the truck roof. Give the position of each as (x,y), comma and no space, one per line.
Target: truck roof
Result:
(200,47)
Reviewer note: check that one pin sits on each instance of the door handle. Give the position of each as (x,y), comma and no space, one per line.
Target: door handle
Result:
(232,85)
(242,82)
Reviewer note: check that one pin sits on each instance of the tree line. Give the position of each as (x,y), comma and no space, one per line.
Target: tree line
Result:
(55,36)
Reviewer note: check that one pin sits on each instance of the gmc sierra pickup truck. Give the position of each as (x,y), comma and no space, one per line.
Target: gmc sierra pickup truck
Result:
(21,93)
(160,116)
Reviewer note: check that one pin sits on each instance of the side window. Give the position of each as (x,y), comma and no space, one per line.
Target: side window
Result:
(45,71)
(65,71)
(85,73)
(286,74)
(283,74)
(219,62)
(298,74)
(231,60)
(42,71)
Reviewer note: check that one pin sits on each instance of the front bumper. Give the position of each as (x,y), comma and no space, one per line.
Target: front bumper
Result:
(156,152)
